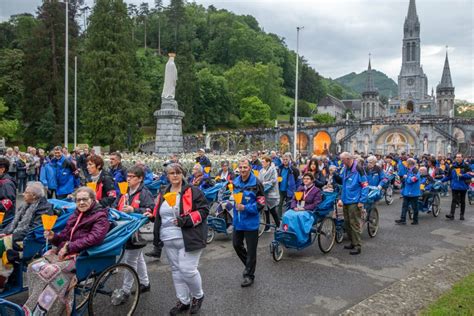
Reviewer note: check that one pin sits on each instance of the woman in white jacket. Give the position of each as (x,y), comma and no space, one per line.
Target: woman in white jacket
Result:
(268,175)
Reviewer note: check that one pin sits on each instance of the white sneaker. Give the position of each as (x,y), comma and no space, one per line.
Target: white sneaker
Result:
(119,297)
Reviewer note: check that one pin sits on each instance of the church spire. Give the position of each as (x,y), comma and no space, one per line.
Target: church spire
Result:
(412,11)
(370,81)
(446,81)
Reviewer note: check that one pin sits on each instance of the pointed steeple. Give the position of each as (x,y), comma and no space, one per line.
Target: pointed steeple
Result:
(370,81)
(412,11)
(446,81)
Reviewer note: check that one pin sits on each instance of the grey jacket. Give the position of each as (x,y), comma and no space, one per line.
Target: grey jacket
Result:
(269,178)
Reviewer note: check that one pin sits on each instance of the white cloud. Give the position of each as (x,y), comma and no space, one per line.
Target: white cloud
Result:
(339,34)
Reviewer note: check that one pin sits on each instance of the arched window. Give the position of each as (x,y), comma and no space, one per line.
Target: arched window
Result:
(408,51)
(413,46)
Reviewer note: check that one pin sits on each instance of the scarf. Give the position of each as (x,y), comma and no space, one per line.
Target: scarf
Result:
(22,220)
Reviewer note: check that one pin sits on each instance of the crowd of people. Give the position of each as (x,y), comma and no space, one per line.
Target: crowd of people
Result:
(275,184)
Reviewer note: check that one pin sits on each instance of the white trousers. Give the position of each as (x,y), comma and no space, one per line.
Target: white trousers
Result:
(186,277)
(135,259)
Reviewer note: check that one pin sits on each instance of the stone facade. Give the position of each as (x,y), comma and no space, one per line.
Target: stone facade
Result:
(169,128)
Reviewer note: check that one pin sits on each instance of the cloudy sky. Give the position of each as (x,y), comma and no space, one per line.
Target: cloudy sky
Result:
(338,35)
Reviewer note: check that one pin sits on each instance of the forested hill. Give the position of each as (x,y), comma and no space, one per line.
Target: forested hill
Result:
(382,82)
(231,73)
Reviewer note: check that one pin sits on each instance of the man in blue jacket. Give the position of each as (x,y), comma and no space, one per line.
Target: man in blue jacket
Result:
(355,189)
(460,175)
(48,177)
(410,192)
(246,219)
(289,182)
(65,173)
(117,171)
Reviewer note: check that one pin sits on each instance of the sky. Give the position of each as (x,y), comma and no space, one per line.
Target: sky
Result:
(338,35)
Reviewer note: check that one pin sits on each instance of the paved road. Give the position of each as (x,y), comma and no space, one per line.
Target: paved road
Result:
(307,281)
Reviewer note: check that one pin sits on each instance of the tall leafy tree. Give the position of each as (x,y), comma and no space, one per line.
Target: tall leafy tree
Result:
(115,100)
(43,73)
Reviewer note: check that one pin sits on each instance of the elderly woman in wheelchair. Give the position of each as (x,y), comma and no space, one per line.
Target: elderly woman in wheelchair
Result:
(52,278)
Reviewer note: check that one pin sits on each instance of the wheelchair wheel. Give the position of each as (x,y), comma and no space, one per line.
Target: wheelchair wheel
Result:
(389,195)
(261,227)
(211,234)
(82,292)
(373,222)
(327,235)
(435,206)
(339,235)
(110,280)
(277,251)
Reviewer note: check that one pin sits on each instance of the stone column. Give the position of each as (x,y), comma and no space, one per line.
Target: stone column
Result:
(169,128)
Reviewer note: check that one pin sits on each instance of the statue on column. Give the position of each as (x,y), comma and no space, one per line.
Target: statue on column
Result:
(171,76)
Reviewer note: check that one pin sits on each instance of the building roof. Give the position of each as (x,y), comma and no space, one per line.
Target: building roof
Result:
(330,100)
(353,105)
(370,87)
(446,81)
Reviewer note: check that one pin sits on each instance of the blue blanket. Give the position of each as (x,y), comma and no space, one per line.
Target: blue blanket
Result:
(300,223)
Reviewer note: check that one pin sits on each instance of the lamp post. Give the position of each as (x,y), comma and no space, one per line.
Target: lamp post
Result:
(66,79)
(298,28)
(75,102)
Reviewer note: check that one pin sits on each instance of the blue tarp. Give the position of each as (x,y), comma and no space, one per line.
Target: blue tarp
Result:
(300,223)
(113,243)
(211,193)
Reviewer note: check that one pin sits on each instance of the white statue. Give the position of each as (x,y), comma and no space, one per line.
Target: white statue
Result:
(171,75)
(425,145)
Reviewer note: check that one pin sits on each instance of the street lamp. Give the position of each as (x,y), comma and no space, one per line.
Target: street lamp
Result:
(298,28)
(75,102)
(66,79)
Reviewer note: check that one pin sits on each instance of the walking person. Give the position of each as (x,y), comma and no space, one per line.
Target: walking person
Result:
(247,219)
(410,192)
(354,195)
(183,230)
(289,182)
(269,177)
(460,175)
(137,200)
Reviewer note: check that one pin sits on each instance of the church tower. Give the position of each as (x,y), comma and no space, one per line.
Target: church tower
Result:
(412,82)
(445,91)
(370,97)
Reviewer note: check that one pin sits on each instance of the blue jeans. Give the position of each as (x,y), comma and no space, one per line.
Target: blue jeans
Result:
(413,201)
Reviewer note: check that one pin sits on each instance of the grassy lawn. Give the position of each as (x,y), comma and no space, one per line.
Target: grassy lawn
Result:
(458,301)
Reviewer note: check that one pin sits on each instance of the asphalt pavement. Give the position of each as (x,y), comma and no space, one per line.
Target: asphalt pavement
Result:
(308,281)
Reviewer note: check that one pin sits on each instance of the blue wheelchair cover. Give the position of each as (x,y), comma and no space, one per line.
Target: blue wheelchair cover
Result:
(155,185)
(327,204)
(67,207)
(211,193)
(299,223)
(374,194)
(127,224)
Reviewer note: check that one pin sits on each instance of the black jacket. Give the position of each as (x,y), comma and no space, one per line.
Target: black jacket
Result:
(7,195)
(194,235)
(105,189)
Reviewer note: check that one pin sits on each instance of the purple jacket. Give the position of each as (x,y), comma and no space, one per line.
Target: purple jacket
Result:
(312,199)
(91,230)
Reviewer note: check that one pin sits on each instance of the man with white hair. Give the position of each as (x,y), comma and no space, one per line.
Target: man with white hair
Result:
(289,182)
(410,192)
(375,175)
(354,196)
(275,159)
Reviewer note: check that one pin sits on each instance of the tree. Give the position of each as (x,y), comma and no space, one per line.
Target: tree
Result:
(8,128)
(43,72)
(254,112)
(11,81)
(324,118)
(116,99)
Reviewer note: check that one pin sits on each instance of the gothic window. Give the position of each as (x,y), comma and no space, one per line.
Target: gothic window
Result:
(408,52)
(413,57)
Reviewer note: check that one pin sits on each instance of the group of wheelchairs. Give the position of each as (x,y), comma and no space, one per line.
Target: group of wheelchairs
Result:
(327,227)
(99,270)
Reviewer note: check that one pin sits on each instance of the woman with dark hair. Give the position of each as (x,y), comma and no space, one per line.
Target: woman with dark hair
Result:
(104,184)
(311,195)
(137,200)
(182,226)
(314,168)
